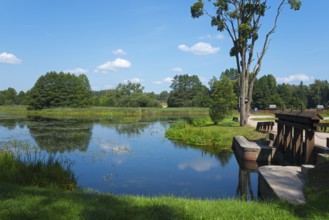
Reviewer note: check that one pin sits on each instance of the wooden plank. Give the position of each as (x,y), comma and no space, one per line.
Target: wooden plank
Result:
(308,148)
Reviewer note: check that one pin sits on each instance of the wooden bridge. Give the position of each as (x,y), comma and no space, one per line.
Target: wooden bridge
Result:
(295,135)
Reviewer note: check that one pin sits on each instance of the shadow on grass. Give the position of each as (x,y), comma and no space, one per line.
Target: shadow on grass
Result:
(35,203)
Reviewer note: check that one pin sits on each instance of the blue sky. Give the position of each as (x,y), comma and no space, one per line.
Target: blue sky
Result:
(147,41)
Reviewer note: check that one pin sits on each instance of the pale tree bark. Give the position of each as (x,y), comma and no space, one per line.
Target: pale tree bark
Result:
(243,26)
(247,83)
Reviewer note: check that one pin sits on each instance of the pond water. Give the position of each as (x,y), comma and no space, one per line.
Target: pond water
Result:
(132,158)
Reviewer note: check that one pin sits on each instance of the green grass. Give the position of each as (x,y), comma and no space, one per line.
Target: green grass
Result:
(102,111)
(264,119)
(210,137)
(17,202)
(32,168)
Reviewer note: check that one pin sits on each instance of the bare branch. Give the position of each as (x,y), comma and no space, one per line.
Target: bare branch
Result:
(267,41)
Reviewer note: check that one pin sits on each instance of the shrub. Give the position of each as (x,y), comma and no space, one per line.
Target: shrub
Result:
(218,112)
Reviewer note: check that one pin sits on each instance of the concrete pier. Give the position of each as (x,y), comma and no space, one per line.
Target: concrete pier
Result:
(282,182)
(251,151)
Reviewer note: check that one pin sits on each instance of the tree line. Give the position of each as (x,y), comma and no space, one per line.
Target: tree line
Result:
(68,90)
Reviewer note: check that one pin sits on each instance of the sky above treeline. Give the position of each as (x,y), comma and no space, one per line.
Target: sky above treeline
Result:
(148,42)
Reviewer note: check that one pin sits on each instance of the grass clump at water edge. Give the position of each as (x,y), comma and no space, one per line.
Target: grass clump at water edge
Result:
(34,168)
(202,132)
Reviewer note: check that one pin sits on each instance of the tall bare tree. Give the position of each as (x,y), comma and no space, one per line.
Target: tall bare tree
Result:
(241,19)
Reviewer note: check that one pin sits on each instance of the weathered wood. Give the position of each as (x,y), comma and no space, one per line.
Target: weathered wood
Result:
(309,145)
(265,126)
(279,138)
(291,126)
(297,145)
(287,143)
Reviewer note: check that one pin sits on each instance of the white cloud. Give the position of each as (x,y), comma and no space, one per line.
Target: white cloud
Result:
(134,80)
(114,65)
(76,71)
(168,80)
(177,70)
(211,37)
(9,58)
(294,78)
(119,52)
(165,80)
(200,48)
(198,165)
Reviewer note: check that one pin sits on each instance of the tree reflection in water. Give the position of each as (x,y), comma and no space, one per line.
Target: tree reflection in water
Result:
(60,135)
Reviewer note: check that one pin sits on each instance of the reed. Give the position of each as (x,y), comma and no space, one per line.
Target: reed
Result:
(31,167)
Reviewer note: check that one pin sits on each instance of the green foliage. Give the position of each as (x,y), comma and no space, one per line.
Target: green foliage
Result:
(218,112)
(60,90)
(210,138)
(223,98)
(242,21)
(188,91)
(34,169)
(126,95)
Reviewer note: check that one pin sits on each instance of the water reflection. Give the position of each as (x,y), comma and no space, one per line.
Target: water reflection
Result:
(11,124)
(55,135)
(224,156)
(199,165)
(131,129)
(132,158)
(247,169)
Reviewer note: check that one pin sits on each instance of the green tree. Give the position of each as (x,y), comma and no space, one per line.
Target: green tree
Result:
(222,91)
(21,98)
(285,92)
(60,90)
(300,96)
(231,73)
(318,93)
(10,96)
(187,91)
(241,19)
(223,98)
(129,88)
(265,93)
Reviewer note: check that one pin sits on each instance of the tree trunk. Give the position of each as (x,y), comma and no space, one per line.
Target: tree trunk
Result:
(242,101)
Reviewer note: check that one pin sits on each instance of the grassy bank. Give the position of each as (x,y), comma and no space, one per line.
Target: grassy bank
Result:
(18,202)
(33,168)
(102,111)
(210,137)
(32,187)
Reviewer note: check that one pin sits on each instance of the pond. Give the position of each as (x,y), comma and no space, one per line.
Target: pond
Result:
(132,158)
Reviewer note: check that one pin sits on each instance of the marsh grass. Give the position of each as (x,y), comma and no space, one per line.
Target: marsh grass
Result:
(102,111)
(204,133)
(32,167)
